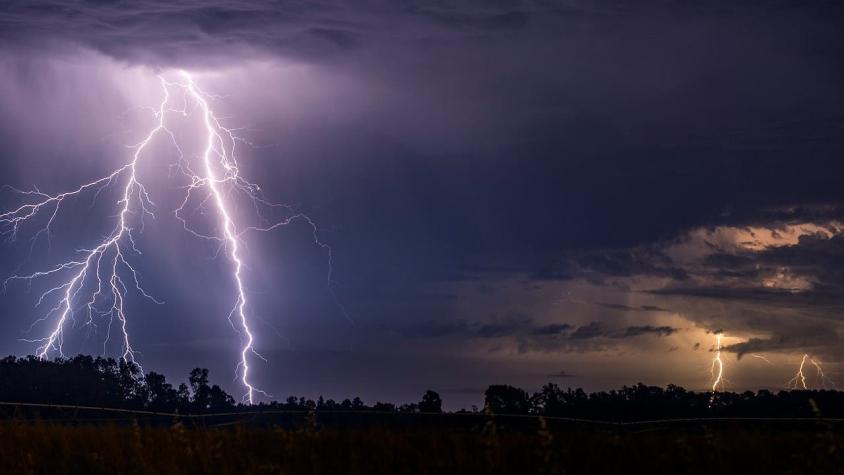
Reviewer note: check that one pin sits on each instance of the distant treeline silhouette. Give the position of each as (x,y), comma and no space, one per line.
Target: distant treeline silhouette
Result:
(106,382)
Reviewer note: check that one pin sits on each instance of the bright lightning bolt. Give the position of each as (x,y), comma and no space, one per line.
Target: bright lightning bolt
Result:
(104,273)
(799,380)
(216,146)
(717,367)
(113,248)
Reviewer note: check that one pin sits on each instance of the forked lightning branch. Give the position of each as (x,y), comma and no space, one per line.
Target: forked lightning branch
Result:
(95,282)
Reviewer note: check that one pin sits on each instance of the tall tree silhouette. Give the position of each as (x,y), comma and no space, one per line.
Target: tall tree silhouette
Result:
(431,402)
(504,399)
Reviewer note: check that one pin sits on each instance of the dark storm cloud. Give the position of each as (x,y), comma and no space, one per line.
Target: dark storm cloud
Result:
(562,375)
(495,330)
(606,264)
(630,99)
(752,294)
(444,329)
(646,330)
(598,330)
(434,329)
(552,329)
(586,332)
(819,257)
(529,335)
(627,308)
(816,258)
(594,336)
(759,280)
(164,33)
(161,33)
(809,338)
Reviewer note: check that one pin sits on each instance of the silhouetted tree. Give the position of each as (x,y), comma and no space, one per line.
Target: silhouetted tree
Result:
(183,395)
(218,400)
(384,407)
(106,382)
(160,394)
(504,399)
(200,391)
(431,402)
(550,400)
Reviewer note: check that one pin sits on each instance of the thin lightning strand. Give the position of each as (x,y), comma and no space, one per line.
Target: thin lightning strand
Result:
(799,379)
(717,368)
(117,243)
(107,263)
(822,378)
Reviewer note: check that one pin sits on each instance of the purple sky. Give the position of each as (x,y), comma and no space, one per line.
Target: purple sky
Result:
(515,192)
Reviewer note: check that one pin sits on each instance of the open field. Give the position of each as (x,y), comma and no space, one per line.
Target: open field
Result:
(691,447)
(86,415)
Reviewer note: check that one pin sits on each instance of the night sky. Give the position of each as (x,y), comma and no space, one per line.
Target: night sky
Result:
(514,191)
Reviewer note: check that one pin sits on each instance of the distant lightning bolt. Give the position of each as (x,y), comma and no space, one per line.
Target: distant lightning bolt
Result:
(107,265)
(822,379)
(799,380)
(717,367)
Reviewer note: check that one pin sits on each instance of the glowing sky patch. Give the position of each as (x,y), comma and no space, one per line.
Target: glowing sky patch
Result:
(103,274)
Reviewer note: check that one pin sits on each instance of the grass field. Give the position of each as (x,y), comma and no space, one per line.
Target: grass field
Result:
(33,447)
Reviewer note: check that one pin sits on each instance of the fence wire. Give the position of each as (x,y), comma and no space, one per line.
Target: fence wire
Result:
(247,416)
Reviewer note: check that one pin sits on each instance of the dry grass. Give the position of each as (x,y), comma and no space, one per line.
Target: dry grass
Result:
(109,449)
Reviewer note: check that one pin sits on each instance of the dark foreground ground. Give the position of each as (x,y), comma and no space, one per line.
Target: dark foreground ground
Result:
(711,447)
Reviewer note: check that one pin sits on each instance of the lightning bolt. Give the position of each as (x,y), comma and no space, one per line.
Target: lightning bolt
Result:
(216,147)
(717,367)
(104,274)
(799,379)
(822,379)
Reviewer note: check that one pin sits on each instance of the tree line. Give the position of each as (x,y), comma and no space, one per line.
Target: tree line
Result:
(106,382)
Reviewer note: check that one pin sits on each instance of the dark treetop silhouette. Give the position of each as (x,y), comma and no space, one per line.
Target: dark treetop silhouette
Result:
(106,382)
